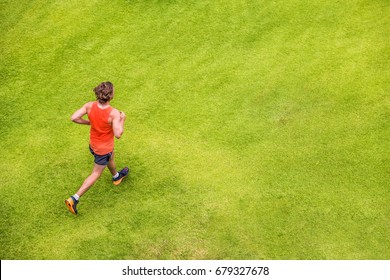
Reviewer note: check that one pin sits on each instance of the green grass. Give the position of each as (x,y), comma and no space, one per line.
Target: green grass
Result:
(255,130)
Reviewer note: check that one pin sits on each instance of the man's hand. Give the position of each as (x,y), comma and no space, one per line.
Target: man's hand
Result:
(123,116)
(118,119)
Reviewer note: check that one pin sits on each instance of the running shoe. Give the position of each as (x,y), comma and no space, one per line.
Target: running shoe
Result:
(122,174)
(71,203)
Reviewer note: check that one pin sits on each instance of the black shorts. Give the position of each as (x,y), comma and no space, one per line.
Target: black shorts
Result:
(101,159)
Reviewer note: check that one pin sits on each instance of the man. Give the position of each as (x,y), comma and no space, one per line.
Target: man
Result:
(106,123)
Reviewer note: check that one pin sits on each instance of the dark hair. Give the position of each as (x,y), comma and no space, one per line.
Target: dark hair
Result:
(104,92)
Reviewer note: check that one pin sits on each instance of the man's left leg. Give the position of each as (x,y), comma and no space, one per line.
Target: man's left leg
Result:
(72,201)
(91,179)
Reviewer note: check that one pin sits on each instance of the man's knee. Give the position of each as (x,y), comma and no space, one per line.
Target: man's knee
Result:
(98,170)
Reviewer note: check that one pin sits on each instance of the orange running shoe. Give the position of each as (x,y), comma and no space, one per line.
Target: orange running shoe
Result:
(122,174)
(71,203)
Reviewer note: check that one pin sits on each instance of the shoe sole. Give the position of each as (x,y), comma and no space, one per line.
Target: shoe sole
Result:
(116,183)
(70,207)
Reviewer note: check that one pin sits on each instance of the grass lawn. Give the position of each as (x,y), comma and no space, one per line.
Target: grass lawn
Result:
(255,129)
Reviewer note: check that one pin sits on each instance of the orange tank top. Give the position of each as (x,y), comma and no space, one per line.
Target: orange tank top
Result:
(101,134)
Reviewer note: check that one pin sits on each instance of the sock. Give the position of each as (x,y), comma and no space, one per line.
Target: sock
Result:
(76,197)
(115,176)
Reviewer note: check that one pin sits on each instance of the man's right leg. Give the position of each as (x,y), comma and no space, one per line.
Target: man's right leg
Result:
(111,165)
(117,177)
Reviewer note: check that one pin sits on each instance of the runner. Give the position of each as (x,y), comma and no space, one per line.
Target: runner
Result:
(106,123)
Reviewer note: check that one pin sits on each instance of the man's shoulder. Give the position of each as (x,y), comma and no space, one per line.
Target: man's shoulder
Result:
(114,112)
(89,104)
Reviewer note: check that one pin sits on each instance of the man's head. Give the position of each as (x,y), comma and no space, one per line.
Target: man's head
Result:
(104,92)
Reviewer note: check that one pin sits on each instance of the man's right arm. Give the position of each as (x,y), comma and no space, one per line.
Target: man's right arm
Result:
(118,120)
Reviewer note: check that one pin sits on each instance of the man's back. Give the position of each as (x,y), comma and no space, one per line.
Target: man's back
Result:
(101,133)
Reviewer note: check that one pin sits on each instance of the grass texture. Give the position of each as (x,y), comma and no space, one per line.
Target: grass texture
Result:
(255,129)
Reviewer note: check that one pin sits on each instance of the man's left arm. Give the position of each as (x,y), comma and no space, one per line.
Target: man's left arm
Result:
(77,116)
